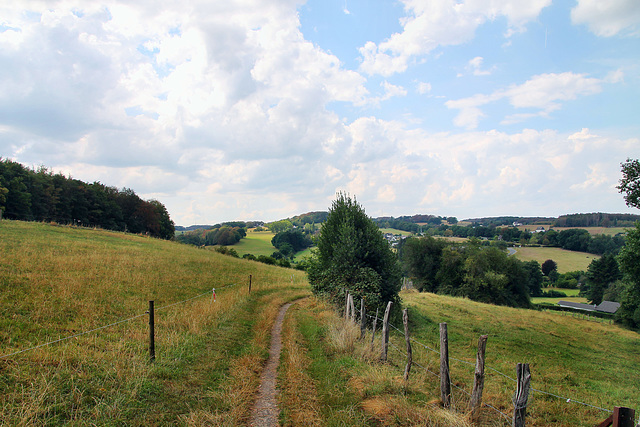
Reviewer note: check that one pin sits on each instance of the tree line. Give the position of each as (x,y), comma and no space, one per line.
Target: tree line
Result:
(40,195)
(225,234)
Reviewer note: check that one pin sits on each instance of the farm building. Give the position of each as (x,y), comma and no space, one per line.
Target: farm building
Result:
(604,307)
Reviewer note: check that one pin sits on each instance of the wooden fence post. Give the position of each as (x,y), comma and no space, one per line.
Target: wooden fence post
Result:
(523,376)
(152,340)
(250,283)
(363,319)
(346,305)
(405,320)
(445,379)
(478,383)
(621,417)
(352,308)
(385,334)
(375,323)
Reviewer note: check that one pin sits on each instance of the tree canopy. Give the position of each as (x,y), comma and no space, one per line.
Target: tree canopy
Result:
(353,256)
(40,195)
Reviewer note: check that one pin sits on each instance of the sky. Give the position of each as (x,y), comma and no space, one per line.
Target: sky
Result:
(265,109)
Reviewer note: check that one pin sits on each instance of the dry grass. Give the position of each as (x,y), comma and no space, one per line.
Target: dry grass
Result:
(299,391)
(58,281)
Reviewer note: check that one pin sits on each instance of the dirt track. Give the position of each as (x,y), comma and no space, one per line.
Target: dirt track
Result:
(265,411)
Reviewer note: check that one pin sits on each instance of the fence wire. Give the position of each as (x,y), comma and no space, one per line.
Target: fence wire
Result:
(566,399)
(107,326)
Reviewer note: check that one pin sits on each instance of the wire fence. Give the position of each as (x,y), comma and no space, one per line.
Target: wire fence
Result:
(212,292)
(413,340)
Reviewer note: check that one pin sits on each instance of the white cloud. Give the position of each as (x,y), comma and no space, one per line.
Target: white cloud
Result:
(428,25)
(608,18)
(542,92)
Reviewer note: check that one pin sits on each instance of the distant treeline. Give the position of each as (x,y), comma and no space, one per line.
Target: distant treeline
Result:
(597,220)
(225,234)
(41,195)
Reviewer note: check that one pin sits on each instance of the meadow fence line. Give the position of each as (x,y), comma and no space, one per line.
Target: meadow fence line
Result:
(618,417)
(148,312)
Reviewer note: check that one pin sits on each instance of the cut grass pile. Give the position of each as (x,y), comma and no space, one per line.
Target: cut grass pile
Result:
(58,281)
(566,260)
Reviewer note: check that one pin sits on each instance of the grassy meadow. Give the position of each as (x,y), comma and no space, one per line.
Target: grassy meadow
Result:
(58,281)
(566,260)
(330,377)
(256,243)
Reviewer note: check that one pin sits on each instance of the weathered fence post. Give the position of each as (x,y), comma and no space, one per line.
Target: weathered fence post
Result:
(363,319)
(375,323)
(152,340)
(621,417)
(523,376)
(352,308)
(346,305)
(405,320)
(250,283)
(385,334)
(478,383)
(445,379)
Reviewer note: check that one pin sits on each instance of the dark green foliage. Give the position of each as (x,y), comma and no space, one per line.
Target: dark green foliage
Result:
(481,273)
(552,293)
(600,274)
(534,273)
(570,280)
(548,266)
(630,182)
(629,262)
(353,256)
(597,219)
(223,235)
(422,258)
(40,195)
(291,241)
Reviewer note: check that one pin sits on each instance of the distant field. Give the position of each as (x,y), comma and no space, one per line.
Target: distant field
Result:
(395,231)
(572,295)
(256,243)
(566,260)
(611,231)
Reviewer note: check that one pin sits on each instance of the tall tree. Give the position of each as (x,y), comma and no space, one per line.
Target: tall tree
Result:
(629,261)
(630,182)
(353,256)
(600,273)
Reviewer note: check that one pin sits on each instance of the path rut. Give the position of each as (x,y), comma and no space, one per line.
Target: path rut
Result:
(265,411)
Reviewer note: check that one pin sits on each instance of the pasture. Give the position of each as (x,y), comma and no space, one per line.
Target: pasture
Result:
(57,282)
(566,260)
(256,243)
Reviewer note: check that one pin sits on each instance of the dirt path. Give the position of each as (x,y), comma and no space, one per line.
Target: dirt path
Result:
(265,411)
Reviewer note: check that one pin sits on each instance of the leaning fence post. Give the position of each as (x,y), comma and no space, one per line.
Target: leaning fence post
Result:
(375,323)
(478,383)
(152,342)
(445,380)
(385,334)
(363,318)
(523,377)
(405,320)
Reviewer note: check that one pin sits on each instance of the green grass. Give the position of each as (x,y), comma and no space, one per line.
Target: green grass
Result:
(58,281)
(584,360)
(395,231)
(566,260)
(256,243)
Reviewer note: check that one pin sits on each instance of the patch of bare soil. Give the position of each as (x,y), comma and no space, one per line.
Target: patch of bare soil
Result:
(265,411)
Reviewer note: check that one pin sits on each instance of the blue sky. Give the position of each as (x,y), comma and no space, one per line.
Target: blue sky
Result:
(260,109)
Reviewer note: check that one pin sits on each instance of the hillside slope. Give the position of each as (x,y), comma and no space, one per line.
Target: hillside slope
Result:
(57,282)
